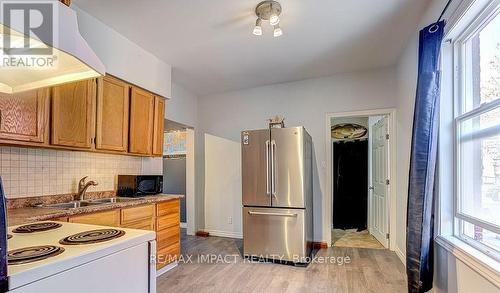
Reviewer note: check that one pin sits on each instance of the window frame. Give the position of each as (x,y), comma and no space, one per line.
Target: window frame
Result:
(463,18)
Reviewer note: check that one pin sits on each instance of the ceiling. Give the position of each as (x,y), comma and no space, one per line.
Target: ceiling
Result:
(212,49)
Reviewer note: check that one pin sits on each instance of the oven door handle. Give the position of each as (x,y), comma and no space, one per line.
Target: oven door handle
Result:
(153,259)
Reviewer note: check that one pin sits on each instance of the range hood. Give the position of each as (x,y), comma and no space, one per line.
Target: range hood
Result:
(27,69)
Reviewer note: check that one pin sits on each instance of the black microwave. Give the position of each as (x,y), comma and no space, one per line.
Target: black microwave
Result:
(139,185)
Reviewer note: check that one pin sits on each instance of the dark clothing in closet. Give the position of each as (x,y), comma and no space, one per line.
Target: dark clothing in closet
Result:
(350,185)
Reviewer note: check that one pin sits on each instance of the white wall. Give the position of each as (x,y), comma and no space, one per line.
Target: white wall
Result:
(451,274)
(182,107)
(190,182)
(223,187)
(454,276)
(407,87)
(301,103)
(123,58)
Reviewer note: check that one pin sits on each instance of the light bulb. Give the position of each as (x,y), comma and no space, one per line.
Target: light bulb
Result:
(257,30)
(274,19)
(277,31)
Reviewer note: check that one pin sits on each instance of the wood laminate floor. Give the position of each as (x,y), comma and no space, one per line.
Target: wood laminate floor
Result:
(353,238)
(369,270)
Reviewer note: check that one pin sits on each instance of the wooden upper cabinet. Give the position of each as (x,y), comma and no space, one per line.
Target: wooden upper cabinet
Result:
(141,122)
(103,115)
(159,124)
(72,114)
(25,116)
(112,115)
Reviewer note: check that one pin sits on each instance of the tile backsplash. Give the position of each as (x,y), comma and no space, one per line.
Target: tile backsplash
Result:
(35,172)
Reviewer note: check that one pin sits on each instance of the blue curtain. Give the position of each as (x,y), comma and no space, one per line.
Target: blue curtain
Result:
(420,216)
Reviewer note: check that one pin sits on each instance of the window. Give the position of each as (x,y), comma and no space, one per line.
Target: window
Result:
(477,134)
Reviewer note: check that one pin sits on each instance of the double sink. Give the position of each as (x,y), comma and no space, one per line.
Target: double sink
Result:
(85,203)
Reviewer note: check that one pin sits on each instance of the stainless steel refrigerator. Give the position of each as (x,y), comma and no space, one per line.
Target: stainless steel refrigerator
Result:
(277,194)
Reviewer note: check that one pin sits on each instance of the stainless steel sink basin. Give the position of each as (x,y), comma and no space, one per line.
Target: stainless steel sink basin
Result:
(70,205)
(112,200)
(85,203)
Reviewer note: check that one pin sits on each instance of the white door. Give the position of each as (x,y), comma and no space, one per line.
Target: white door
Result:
(380,181)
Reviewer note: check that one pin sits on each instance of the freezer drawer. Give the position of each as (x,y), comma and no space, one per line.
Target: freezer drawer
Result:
(275,233)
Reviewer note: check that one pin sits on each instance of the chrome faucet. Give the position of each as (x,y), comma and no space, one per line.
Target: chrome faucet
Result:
(82,187)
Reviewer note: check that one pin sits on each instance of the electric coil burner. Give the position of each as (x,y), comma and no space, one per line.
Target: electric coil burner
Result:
(93,236)
(37,227)
(32,254)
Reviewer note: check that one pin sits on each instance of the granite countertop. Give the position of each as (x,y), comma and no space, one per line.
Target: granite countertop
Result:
(18,216)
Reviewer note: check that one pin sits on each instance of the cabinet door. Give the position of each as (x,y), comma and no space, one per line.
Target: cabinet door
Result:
(72,114)
(109,218)
(25,116)
(141,122)
(112,115)
(159,123)
(132,215)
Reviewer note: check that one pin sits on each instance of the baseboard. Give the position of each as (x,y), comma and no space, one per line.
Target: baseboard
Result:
(320,245)
(166,268)
(401,255)
(224,234)
(201,233)
(184,225)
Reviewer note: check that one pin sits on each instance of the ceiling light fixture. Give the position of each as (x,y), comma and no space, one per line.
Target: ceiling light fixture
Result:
(274,19)
(257,30)
(269,11)
(277,31)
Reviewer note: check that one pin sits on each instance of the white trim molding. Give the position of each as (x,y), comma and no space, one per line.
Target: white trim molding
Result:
(191,198)
(226,234)
(400,254)
(473,258)
(166,268)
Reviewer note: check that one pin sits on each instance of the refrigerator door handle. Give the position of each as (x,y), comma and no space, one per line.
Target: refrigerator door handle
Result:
(272,214)
(273,173)
(268,188)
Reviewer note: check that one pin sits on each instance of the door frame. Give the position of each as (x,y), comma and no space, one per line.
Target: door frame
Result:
(392,200)
(190,182)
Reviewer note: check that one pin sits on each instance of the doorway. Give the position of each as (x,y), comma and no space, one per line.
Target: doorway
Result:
(177,169)
(360,164)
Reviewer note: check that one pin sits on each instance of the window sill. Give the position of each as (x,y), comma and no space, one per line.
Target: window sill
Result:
(481,263)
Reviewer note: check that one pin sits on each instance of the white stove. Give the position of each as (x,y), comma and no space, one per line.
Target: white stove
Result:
(67,257)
